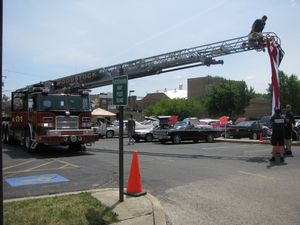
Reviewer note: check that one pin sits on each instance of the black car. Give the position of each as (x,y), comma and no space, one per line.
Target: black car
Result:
(183,130)
(250,129)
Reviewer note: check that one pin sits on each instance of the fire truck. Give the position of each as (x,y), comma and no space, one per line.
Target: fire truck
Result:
(59,111)
(42,116)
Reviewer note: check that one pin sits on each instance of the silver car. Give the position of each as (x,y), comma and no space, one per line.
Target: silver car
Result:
(113,130)
(146,134)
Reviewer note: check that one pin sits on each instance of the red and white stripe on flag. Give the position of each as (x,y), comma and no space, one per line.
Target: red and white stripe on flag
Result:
(274,54)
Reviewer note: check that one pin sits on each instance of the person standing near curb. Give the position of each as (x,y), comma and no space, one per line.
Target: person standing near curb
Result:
(277,138)
(289,127)
(130,129)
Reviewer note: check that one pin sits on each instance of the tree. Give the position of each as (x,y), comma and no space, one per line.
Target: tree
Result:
(179,107)
(289,87)
(228,98)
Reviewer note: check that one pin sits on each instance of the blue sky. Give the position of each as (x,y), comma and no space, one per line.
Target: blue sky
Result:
(49,39)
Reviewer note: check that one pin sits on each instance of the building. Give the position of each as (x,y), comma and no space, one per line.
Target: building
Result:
(102,100)
(258,107)
(198,87)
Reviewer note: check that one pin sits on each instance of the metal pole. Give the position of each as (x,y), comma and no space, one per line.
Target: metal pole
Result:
(121,149)
(1,131)
(121,155)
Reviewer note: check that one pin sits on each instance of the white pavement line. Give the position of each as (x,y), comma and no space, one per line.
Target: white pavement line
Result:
(257,175)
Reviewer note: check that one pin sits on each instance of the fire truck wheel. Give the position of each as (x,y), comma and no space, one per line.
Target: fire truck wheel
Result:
(77,147)
(27,141)
(3,138)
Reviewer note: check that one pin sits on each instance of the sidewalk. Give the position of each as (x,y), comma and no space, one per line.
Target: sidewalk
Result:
(145,210)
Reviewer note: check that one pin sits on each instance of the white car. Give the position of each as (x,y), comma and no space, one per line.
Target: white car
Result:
(113,130)
(145,133)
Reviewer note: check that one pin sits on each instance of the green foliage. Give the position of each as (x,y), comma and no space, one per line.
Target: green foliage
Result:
(289,87)
(228,98)
(180,107)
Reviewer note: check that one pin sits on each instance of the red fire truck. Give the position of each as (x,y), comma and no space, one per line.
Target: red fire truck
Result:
(40,116)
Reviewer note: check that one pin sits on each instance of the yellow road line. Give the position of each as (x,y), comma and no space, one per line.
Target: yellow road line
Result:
(66,163)
(20,164)
(33,168)
(38,168)
(257,175)
(47,169)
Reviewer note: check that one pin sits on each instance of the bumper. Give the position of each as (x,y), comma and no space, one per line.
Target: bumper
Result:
(68,139)
(162,137)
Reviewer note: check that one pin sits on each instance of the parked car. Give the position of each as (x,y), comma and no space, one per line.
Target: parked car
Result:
(186,130)
(266,121)
(250,129)
(113,130)
(145,134)
(99,129)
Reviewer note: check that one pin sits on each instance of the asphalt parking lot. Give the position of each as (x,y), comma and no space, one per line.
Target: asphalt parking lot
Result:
(197,183)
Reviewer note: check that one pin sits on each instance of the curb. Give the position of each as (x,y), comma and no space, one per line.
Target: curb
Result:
(158,211)
(249,141)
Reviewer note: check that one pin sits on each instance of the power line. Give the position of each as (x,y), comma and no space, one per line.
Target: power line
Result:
(18,72)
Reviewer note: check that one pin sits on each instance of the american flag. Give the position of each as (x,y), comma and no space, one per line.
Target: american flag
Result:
(276,56)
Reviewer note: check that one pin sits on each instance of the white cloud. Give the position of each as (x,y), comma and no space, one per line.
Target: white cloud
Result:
(292,3)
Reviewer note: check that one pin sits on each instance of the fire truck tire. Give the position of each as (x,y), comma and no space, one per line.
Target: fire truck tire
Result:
(7,138)
(27,141)
(77,147)
(3,138)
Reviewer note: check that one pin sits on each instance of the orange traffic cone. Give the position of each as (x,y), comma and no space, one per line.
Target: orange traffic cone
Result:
(134,186)
(260,137)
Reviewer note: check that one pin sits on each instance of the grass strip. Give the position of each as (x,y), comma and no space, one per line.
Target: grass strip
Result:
(76,209)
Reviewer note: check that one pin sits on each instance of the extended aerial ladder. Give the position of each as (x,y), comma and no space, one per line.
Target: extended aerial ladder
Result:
(32,105)
(204,55)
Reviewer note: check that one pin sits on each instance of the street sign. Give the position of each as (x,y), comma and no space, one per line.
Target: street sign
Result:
(120,90)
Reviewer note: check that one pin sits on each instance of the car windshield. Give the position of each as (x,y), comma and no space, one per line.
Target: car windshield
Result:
(180,124)
(63,102)
(193,121)
(245,124)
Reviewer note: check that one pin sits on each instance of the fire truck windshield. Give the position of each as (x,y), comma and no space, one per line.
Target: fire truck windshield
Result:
(63,102)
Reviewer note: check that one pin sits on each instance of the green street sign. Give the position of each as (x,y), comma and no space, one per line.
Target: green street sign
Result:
(120,90)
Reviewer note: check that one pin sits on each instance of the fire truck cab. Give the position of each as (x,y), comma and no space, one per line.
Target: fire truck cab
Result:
(41,117)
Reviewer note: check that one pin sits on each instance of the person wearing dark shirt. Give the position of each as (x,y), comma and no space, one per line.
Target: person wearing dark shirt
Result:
(277,138)
(289,126)
(255,36)
(259,25)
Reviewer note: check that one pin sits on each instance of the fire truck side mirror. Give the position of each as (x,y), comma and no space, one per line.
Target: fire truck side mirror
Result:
(30,103)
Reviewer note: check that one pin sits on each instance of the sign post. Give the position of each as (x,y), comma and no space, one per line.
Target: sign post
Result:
(120,90)
(120,98)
